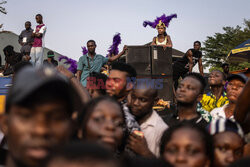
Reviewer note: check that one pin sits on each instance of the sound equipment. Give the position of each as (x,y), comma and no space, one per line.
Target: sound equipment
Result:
(153,62)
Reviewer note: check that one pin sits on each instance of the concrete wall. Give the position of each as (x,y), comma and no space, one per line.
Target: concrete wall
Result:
(10,38)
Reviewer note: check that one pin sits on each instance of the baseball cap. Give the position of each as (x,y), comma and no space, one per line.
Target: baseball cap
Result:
(240,76)
(29,80)
(50,54)
(224,125)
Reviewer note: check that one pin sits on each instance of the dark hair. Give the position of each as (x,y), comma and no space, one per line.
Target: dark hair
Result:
(205,136)
(9,49)
(84,115)
(98,77)
(224,64)
(79,152)
(39,15)
(197,42)
(223,75)
(131,72)
(198,77)
(28,22)
(91,41)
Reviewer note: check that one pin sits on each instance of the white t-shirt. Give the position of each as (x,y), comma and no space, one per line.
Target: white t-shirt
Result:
(153,129)
(219,113)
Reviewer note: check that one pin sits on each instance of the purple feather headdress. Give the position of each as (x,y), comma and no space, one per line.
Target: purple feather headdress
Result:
(164,19)
(71,62)
(84,50)
(113,49)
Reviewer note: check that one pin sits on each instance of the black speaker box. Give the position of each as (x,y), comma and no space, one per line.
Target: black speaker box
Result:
(153,62)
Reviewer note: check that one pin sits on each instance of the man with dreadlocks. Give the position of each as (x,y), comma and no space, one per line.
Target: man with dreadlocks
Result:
(160,23)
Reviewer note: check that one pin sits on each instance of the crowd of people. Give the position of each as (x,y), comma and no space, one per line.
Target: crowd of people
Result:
(54,117)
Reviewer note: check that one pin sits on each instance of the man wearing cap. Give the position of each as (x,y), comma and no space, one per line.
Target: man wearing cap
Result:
(236,83)
(38,116)
(228,140)
(50,61)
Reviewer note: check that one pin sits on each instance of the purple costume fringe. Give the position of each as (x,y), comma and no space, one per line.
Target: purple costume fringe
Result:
(71,62)
(165,19)
(113,49)
(84,50)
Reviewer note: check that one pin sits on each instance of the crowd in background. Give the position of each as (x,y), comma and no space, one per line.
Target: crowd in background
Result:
(54,117)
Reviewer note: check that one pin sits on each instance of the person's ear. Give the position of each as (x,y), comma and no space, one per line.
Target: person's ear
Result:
(129,86)
(4,123)
(156,99)
(79,134)
(200,96)
(207,164)
(223,82)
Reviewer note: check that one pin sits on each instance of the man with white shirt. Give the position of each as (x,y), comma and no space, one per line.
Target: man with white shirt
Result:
(151,124)
(26,41)
(236,83)
(36,52)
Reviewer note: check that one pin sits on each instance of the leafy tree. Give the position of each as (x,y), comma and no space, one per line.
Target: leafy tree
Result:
(219,45)
(2,9)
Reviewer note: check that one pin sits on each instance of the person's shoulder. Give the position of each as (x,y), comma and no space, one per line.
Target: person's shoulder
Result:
(217,110)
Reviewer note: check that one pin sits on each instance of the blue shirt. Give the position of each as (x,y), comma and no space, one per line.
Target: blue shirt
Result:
(95,66)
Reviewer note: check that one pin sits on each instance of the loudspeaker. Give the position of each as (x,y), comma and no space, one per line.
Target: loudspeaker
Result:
(153,62)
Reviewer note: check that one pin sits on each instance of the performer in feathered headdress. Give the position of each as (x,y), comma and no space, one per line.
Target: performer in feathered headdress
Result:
(161,23)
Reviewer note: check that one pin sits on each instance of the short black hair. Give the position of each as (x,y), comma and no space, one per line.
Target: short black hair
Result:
(84,115)
(205,136)
(131,72)
(197,42)
(80,152)
(9,49)
(98,77)
(198,77)
(39,15)
(91,41)
(28,22)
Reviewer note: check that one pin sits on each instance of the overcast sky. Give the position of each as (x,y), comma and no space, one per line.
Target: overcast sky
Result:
(71,23)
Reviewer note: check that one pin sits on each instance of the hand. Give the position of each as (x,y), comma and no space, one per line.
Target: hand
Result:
(139,145)
(65,72)
(125,48)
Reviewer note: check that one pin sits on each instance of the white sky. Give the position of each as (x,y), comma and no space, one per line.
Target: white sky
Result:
(71,23)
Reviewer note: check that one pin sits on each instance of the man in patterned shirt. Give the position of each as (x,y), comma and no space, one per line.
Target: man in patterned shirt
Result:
(217,96)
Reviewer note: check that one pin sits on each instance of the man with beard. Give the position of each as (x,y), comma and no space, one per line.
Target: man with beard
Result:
(236,83)
(118,85)
(142,101)
(92,62)
(188,94)
(38,116)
